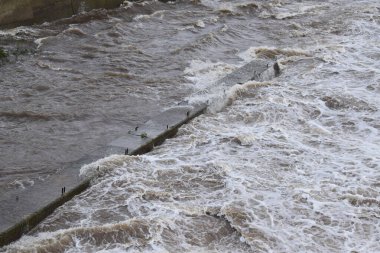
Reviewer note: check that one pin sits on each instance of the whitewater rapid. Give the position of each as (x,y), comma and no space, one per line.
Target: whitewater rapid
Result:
(288,164)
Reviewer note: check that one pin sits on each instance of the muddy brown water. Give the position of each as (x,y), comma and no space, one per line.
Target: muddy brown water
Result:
(285,165)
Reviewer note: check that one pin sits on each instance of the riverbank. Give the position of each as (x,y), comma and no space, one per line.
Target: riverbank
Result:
(21,12)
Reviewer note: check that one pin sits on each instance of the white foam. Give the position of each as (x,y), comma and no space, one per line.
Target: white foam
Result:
(200,24)
(40,41)
(103,165)
(23,183)
(290,165)
(204,73)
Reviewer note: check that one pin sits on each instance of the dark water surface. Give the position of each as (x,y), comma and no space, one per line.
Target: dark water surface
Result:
(88,80)
(284,165)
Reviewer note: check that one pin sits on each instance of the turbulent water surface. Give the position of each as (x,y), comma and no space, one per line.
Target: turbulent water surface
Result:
(286,165)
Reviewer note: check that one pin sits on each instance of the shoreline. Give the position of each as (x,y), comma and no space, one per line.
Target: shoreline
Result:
(27,12)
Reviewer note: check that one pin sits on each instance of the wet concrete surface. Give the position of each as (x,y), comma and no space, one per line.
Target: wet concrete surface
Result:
(250,71)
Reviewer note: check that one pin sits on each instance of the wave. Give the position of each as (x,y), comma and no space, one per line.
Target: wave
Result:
(131,234)
(37,116)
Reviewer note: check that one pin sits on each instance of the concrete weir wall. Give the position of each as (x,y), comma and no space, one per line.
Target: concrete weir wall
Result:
(17,12)
(22,211)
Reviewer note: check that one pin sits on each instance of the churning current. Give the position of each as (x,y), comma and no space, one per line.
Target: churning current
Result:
(291,164)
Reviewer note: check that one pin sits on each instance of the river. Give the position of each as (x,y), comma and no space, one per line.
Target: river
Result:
(290,164)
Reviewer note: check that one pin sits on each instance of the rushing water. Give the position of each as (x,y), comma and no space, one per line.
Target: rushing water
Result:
(286,165)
